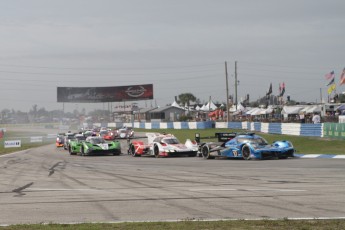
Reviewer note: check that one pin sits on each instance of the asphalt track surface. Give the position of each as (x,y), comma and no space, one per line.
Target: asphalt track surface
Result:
(47,185)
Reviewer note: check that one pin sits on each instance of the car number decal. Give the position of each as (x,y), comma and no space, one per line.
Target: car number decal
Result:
(235,153)
(104,146)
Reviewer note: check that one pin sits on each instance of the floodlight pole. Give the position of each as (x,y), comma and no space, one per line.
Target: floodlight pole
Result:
(236,84)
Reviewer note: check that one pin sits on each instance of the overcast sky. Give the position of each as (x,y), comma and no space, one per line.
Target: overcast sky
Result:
(179,46)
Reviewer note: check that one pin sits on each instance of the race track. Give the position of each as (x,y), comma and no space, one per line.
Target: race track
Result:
(47,185)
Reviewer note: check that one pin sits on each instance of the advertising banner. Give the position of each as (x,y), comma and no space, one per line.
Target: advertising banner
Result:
(12,144)
(105,94)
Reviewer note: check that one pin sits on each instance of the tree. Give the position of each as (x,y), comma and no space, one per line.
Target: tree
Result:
(186,98)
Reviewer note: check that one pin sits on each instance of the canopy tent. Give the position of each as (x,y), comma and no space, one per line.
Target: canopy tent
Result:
(311,109)
(210,106)
(341,107)
(175,104)
(239,108)
(292,109)
(267,111)
(254,111)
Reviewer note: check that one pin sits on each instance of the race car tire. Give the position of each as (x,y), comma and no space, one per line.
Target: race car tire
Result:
(131,150)
(246,152)
(82,151)
(156,151)
(70,151)
(205,152)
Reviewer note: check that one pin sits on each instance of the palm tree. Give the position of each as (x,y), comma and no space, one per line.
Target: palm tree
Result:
(186,98)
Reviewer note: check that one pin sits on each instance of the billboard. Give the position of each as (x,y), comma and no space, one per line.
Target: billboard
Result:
(105,94)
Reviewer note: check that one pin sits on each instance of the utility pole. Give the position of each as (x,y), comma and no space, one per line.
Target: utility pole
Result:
(227,92)
(236,84)
(320,96)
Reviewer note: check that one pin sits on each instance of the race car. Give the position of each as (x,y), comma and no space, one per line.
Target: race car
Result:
(75,144)
(247,146)
(68,137)
(60,138)
(95,145)
(164,145)
(110,135)
(125,132)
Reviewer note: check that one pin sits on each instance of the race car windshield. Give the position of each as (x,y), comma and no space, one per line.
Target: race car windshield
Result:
(96,141)
(258,141)
(170,141)
(80,138)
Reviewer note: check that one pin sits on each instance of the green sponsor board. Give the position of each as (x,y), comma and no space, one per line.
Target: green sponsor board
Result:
(334,130)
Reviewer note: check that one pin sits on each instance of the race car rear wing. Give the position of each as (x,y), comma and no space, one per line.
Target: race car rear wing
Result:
(222,137)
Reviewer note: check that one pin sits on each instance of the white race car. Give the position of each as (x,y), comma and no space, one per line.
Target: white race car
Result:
(163,145)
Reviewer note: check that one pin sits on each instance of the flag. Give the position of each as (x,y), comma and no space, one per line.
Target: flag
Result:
(331,82)
(269,91)
(282,91)
(331,88)
(329,76)
(342,77)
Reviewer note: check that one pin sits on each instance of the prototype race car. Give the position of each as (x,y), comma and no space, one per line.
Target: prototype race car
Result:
(162,145)
(111,135)
(75,144)
(247,146)
(60,138)
(68,137)
(95,145)
(125,132)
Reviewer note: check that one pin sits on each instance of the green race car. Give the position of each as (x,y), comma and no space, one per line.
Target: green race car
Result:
(75,144)
(95,145)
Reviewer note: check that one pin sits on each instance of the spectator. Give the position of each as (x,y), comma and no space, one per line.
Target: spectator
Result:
(302,117)
(316,118)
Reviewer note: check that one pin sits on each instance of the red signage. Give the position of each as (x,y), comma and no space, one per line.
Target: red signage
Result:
(105,94)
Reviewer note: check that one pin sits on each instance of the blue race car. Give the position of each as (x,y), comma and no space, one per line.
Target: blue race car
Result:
(246,146)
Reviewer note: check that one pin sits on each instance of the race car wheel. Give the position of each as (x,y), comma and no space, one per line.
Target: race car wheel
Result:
(70,151)
(156,151)
(205,151)
(82,151)
(246,152)
(132,151)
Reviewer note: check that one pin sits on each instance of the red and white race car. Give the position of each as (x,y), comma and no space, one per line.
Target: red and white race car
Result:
(162,145)
(111,135)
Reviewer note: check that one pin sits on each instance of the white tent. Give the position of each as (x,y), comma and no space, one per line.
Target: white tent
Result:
(210,106)
(240,108)
(311,109)
(175,104)
(292,109)
(253,111)
(314,109)
(341,107)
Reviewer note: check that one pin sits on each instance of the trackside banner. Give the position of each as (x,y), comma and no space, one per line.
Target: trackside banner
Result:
(105,94)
